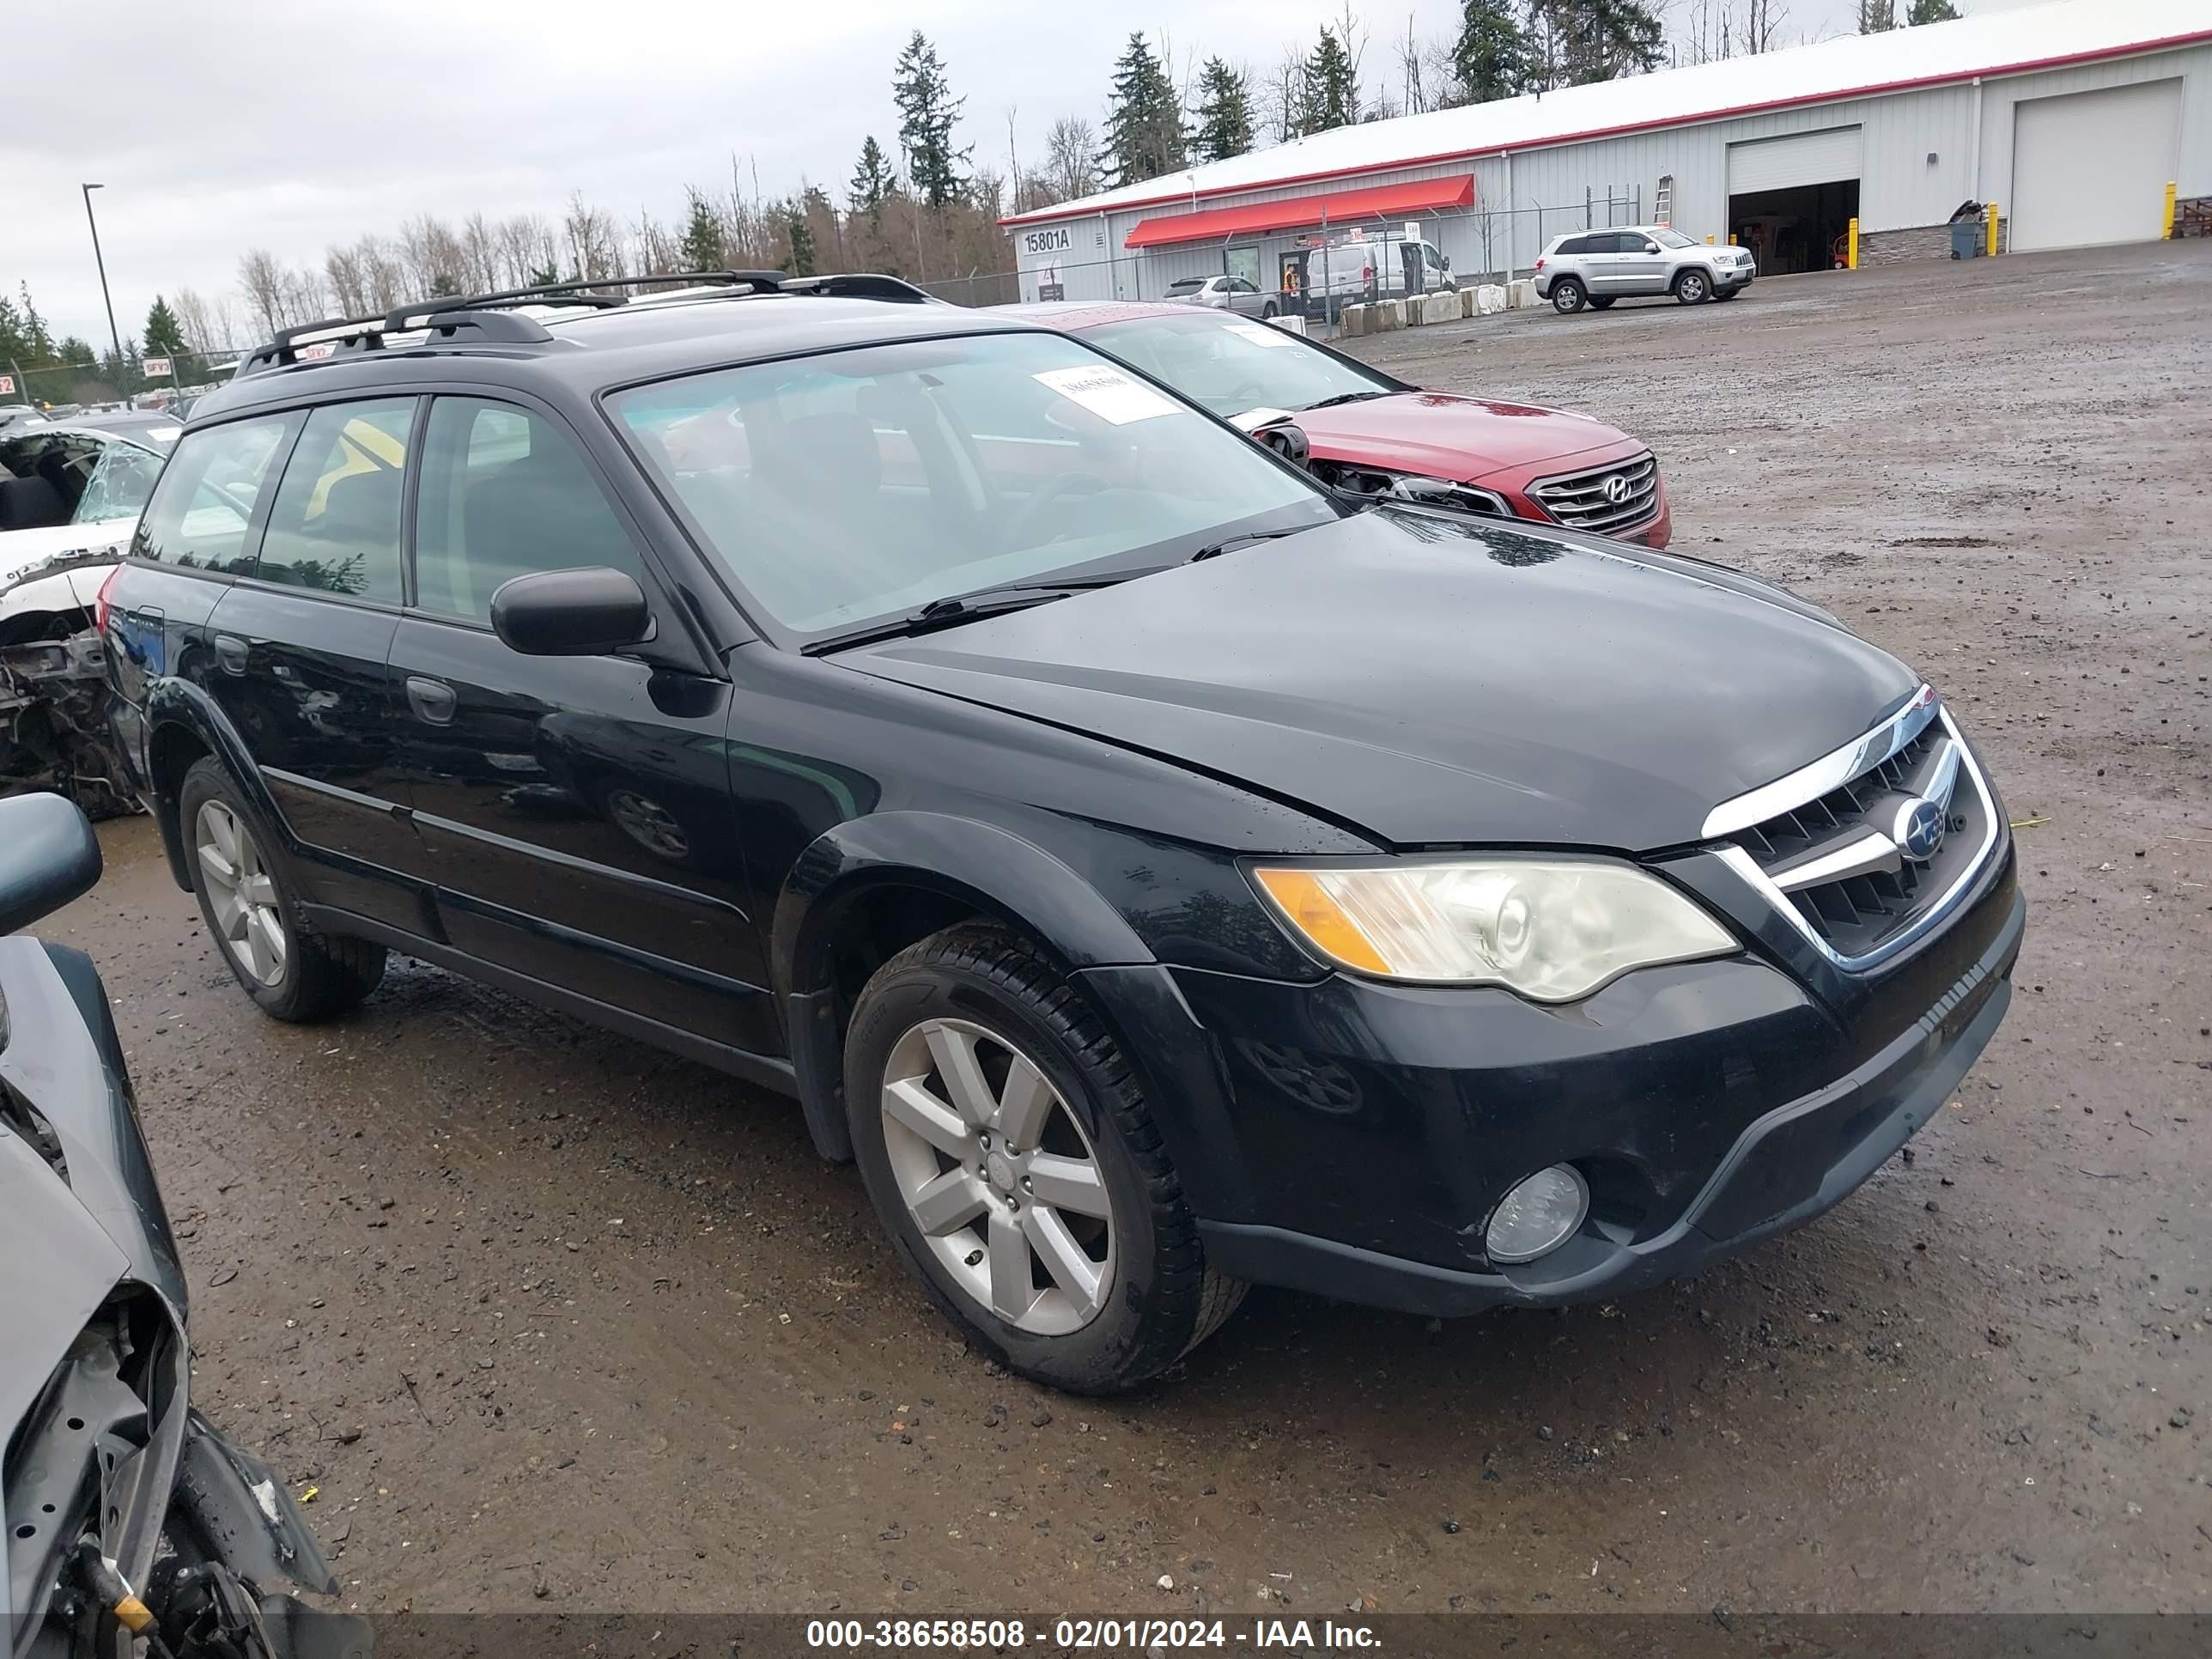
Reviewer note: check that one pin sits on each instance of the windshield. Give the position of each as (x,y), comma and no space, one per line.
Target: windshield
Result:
(1666,237)
(860,484)
(1233,365)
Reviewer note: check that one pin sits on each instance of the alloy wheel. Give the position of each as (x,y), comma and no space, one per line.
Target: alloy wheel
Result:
(648,824)
(1693,288)
(1001,1182)
(241,894)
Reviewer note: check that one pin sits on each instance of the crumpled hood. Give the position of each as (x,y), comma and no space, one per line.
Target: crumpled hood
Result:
(1435,680)
(65,1244)
(1443,435)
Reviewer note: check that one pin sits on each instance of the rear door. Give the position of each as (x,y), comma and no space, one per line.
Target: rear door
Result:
(298,650)
(574,812)
(1601,260)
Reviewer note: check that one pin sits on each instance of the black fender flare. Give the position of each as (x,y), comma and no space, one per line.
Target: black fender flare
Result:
(981,864)
(172,701)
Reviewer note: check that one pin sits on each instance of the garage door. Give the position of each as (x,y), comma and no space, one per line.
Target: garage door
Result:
(2092,166)
(1802,158)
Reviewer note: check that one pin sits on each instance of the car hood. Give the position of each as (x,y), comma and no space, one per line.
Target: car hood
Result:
(68,1243)
(1435,681)
(1442,434)
(24,551)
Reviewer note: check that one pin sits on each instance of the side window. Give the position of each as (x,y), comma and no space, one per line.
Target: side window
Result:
(1573,244)
(505,494)
(335,523)
(203,505)
(46,473)
(120,484)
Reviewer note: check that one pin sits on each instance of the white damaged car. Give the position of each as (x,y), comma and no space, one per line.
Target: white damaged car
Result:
(70,498)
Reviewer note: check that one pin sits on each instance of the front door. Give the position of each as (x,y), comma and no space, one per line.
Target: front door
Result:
(297,648)
(1641,263)
(574,812)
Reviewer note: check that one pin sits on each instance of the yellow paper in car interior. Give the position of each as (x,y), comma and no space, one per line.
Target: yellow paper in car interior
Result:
(1109,394)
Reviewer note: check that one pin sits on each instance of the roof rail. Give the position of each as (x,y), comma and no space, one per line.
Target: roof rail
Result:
(490,318)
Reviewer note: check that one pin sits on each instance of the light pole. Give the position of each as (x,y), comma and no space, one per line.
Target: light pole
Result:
(113,337)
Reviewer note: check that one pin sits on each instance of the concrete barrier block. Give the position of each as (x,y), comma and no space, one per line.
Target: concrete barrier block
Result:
(1470,304)
(1440,309)
(1521,296)
(1354,319)
(1290,324)
(1490,298)
(1388,314)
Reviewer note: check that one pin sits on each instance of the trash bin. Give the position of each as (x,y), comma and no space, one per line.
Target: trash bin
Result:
(1967,239)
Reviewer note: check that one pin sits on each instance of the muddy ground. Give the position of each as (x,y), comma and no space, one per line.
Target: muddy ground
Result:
(549,1319)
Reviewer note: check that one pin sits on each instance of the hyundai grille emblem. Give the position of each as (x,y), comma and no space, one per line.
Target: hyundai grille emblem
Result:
(1617,488)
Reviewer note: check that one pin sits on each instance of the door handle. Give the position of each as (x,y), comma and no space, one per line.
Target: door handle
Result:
(433,700)
(231,651)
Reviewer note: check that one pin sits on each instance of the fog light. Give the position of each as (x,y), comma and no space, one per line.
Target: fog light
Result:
(1538,1216)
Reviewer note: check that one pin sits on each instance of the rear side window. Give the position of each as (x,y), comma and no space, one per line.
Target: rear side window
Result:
(335,525)
(204,506)
(1572,244)
(505,494)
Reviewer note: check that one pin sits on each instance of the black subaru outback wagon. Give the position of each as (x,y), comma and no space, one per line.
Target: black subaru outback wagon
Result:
(1157,874)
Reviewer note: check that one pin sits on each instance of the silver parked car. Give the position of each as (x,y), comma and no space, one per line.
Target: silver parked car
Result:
(1596,267)
(1224,293)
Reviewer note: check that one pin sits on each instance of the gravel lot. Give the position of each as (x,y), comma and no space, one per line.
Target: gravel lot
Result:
(553,1320)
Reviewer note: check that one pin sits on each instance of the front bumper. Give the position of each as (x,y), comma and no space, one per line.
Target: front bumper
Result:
(1729,277)
(1707,1105)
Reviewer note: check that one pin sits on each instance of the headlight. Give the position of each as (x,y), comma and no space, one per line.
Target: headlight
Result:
(1551,931)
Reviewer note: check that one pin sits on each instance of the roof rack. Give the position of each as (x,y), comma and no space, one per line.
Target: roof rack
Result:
(491,318)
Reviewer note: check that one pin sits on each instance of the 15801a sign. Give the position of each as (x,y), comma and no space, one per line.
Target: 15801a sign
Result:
(1055,241)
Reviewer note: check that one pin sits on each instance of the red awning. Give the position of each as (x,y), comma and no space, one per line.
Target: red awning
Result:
(1342,207)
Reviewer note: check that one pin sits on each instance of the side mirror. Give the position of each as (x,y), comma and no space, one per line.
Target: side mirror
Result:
(571,613)
(1287,438)
(1651,247)
(48,856)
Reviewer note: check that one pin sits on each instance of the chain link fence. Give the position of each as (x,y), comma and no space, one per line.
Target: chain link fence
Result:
(86,384)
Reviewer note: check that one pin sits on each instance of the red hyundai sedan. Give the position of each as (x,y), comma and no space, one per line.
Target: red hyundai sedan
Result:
(1373,435)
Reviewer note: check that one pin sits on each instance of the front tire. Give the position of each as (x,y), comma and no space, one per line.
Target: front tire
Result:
(1271,309)
(1726,293)
(252,909)
(1012,1154)
(1567,296)
(1692,287)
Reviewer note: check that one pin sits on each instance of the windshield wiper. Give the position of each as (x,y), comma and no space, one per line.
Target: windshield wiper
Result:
(1345,397)
(1244,538)
(950,612)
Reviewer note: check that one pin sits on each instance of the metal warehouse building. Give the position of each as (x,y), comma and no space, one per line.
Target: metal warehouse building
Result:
(2073,118)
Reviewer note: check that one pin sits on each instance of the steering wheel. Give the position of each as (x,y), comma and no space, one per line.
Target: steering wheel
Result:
(1060,484)
(1251,394)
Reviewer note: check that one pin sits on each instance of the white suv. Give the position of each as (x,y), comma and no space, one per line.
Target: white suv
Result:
(1596,267)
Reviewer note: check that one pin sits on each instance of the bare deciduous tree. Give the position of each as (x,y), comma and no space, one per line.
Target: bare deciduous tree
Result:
(1072,157)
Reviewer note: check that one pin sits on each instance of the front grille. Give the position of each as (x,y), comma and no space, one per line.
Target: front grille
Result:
(1837,860)
(1605,500)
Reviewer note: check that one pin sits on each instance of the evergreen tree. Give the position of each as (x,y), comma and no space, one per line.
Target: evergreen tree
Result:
(1877,16)
(928,112)
(802,241)
(1224,113)
(37,344)
(1144,118)
(701,246)
(874,182)
(69,349)
(1931,11)
(1332,97)
(1490,56)
(544,274)
(164,338)
(1577,42)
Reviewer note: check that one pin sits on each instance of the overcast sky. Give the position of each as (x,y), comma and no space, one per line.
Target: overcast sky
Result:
(216,125)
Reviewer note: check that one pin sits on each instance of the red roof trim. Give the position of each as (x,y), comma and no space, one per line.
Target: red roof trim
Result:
(1879,88)
(1294,212)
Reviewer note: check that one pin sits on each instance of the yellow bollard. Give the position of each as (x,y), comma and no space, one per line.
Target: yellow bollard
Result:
(1731,239)
(1989,246)
(1709,241)
(2166,229)
(1852,245)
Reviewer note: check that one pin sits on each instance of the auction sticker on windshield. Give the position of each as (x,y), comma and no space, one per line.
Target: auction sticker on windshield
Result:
(1261,334)
(1110,394)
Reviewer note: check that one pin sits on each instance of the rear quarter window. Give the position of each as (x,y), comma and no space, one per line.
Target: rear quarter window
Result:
(202,511)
